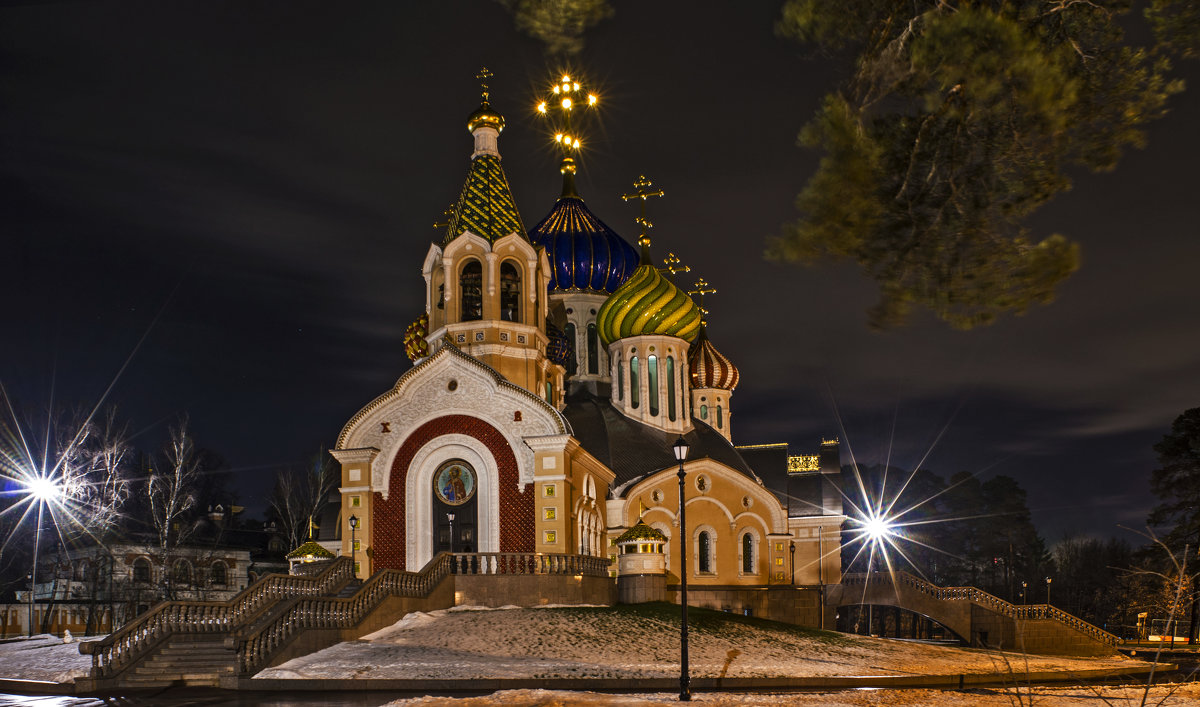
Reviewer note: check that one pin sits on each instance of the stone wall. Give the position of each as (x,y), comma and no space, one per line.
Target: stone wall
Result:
(794,605)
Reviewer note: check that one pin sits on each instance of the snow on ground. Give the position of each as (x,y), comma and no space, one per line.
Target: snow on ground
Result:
(44,657)
(1173,696)
(636,642)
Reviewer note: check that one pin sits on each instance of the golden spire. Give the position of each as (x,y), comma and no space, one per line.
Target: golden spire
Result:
(311,527)
(700,289)
(641,190)
(566,96)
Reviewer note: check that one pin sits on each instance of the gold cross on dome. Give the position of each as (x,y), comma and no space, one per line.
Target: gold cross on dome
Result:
(483,77)
(641,190)
(700,289)
(673,265)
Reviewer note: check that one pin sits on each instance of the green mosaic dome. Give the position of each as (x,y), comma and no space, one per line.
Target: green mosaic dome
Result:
(641,531)
(310,549)
(648,303)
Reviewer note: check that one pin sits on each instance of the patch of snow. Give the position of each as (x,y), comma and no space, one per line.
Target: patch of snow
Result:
(44,657)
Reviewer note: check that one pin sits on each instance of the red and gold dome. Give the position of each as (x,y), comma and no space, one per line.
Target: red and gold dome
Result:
(709,367)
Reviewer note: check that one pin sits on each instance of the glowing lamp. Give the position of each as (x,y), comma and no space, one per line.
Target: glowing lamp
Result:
(877,528)
(567,103)
(591,99)
(43,488)
(542,107)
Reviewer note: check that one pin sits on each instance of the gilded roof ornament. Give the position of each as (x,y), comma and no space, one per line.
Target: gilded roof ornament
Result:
(566,96)
(642,190)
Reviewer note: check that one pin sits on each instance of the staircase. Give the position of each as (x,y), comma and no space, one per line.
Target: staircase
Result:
(185,661)
(214,643)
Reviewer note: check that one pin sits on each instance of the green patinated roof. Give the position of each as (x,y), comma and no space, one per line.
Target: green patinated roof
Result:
(310,549)
(641,531)
(485,207)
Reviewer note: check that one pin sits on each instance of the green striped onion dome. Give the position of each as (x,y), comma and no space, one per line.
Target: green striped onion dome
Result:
(648,303)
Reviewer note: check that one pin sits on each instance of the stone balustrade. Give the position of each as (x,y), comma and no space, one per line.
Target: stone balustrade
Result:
(993,603)
(139,637)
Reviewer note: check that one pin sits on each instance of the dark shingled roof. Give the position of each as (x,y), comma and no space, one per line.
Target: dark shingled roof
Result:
(634,450)
(770,464)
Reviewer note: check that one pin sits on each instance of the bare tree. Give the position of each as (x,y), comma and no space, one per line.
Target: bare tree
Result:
(299,493)
(171,490)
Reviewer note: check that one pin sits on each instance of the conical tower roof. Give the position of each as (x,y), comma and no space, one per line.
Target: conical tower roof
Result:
(485,206)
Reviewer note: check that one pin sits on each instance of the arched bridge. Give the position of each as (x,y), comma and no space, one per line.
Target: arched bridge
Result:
(975,615)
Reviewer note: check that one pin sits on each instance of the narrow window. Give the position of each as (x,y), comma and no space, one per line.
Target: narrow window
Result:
(703,412)
(550,392)
(747,554)
(510,292)
(720,418)
(620,379)
(441,303)
(704,556)
(141,570)
(593,349)
(635,393)
(652,381)
(471,284)
(671,388)
(572,362)
(217,574)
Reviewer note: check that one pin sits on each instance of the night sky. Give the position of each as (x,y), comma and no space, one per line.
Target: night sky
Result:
(251,186)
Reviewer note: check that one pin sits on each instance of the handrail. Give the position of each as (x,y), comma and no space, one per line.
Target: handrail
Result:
(503,563)
(256,645)
(978,596)
(255,648)
(136,638)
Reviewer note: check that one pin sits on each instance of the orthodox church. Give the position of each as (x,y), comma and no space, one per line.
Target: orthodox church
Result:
(553,370)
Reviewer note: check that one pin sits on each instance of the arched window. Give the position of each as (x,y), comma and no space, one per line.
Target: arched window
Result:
(182,573)
(652,381)
(747,553)
(720,418)
(704,555)
(620,379)
(703,412)
(510,292)
(217,574)
(635,392)
(470,282)
(671,388)
(81,571)
(141,570)
(550,392)
(593,349)
(572,361)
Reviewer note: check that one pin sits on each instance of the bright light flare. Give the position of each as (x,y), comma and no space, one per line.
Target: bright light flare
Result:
(43,488)
(878,528)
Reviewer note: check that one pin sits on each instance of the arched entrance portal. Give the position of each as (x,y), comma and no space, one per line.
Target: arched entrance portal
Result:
(455,516)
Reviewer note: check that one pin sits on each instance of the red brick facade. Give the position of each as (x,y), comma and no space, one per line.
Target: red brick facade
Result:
(516,508)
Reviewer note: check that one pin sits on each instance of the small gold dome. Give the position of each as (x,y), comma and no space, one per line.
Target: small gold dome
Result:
(485,117)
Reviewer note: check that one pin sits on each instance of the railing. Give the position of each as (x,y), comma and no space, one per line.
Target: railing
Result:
(978,596)
(506,563)
(256,645)
(137,638)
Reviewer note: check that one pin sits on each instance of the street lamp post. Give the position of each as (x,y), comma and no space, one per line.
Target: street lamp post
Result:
(450,519)
(43,489)
(792,552)
(1048,580)
(353,551)
(680,448)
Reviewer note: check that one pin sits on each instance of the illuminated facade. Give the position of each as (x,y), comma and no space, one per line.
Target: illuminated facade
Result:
(553,370)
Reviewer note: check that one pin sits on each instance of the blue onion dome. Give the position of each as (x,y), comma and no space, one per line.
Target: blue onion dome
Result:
(648,303)
(560,348)
(584,253)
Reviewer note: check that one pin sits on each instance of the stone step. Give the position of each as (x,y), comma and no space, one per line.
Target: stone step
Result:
(193,665)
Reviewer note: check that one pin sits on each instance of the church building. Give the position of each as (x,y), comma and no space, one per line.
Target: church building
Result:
(554,368)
